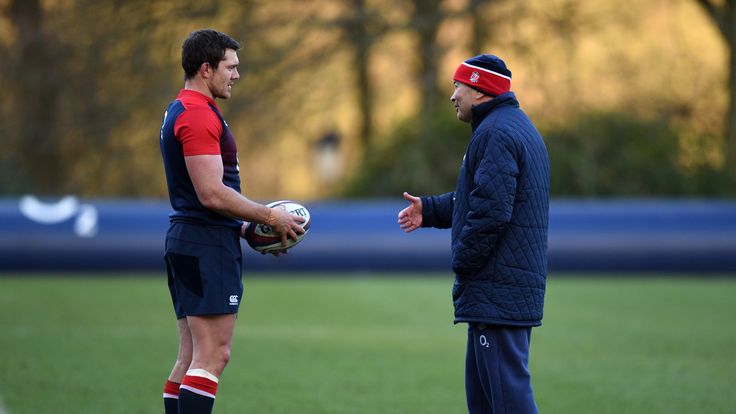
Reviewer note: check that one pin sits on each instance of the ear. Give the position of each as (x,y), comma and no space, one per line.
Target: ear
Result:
(205,71)
(480,97)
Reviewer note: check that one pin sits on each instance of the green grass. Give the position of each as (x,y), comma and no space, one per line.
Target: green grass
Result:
(367,345)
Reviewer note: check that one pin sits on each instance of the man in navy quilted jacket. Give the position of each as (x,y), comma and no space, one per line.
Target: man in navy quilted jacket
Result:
(499,217)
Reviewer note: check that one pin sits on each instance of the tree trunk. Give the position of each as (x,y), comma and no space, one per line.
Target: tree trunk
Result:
(361,50)
(730,144)
(36,95)
(426,21)
(479,34)
(360,40)
(724,17)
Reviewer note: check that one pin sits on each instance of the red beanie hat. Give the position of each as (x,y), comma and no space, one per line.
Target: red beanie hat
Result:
(486,73)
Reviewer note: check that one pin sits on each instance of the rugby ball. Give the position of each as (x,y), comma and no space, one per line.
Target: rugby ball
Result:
(262,238)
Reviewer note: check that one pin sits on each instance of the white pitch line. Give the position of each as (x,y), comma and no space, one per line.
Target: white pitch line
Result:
(3,410)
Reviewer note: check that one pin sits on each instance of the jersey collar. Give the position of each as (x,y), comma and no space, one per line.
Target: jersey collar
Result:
(192,94)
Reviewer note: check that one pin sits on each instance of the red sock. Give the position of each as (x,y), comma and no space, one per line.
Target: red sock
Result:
(171,397)
(199,385)
(197,393)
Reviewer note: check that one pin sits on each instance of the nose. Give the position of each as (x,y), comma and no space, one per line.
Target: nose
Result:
(236,74)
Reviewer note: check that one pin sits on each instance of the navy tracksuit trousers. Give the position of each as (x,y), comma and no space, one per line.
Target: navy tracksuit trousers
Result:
(497,379)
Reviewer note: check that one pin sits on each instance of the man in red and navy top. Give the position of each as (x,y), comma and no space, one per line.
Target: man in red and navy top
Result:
(194,126)
(203,256)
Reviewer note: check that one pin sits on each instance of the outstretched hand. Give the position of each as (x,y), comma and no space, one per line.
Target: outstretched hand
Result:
(410,218)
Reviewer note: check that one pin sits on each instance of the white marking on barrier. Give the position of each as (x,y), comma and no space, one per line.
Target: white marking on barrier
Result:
(63,210)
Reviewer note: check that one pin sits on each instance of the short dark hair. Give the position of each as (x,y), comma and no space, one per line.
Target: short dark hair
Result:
(205,45)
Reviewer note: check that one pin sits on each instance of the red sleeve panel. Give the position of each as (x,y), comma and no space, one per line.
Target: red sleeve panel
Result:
(199,131)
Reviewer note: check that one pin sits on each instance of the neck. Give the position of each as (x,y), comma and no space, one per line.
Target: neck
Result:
(479,101)
(197,84)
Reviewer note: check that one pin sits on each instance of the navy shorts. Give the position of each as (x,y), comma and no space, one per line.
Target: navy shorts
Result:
(204,265)
(497,379)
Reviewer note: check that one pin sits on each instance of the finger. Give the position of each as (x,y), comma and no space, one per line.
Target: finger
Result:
(406,221)
(410,197)
(293,235)
(283,239)
(403,213)
(411,223)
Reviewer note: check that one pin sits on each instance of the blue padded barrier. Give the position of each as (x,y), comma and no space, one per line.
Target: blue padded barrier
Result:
(70,234)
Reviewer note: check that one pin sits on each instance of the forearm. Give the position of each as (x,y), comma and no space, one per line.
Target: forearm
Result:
(489,212)
(206,172)
(228,202)
(437,211)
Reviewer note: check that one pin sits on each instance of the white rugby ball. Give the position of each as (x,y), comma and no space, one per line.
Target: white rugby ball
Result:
(262,238)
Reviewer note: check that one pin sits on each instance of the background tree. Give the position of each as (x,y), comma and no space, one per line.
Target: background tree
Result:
(361,28)
(86,84)
(39,72)
(723,15)
(425,23)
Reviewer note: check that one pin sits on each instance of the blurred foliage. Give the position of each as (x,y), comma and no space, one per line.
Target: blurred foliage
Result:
(88,82)
(615,154)
(598,155)
(420,158)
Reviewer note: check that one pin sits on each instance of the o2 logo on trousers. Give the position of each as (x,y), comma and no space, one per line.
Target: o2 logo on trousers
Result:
(484,342)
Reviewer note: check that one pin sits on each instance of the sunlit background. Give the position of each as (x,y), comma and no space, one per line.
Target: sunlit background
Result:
(342,106)
(351,98)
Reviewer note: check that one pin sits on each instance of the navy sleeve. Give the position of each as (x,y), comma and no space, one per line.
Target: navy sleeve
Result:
(490,205)
(437,211)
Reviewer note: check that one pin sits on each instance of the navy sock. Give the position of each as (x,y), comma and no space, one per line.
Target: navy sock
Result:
(197,393)
(171,397)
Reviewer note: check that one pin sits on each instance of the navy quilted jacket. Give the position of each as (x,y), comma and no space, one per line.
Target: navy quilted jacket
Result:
(499,217)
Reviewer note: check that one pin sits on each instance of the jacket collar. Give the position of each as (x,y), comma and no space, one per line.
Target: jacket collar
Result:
(481,111)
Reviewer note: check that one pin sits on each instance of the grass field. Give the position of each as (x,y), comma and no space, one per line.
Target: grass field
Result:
(367,345)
